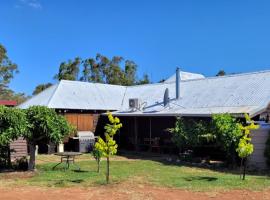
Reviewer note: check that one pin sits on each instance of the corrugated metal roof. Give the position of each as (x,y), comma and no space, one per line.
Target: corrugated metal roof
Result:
(239,93)
(79,95)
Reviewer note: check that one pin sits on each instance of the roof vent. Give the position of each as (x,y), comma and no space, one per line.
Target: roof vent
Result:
(166,98)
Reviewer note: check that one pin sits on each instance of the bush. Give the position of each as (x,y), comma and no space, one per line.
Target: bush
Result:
(20,164)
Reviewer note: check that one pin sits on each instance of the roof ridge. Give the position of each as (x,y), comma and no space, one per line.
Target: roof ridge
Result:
(229,75)
(84,82)
(51,97)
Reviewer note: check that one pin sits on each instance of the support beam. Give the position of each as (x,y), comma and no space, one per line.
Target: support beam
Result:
(136,134)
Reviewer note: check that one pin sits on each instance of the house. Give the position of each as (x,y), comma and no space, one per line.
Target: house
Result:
(149,109)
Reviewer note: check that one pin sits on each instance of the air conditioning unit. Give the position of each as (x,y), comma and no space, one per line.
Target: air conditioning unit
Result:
(134,104)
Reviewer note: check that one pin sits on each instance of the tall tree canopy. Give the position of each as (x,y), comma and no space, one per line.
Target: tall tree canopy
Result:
(101,69)
(7,67)
(39,88)
(7,71)
(69,70)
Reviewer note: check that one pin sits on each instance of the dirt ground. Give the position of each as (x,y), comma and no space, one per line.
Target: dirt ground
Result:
(124,191)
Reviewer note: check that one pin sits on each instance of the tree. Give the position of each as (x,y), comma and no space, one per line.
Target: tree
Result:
(97,155)
(245,147)
(221,73)
(7,67)
(188,133)
(7,71)
(13,124)
(108,146)
(69,70)
(44,125)
(101,69)
(8,94)
(144,80)
(39,88)
(228,133)
(130,73)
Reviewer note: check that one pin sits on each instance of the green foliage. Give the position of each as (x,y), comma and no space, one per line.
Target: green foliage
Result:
(144,80)
(13,123)
(228,132)
(69,70)
(45,123)
(7,71)
(108,146)
(97,155)
(7,67)
(188,133)
(8,94)
(141,172)
(39,88)
(101,69)
(245,147)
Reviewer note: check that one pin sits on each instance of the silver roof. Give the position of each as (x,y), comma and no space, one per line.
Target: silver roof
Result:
(239,93)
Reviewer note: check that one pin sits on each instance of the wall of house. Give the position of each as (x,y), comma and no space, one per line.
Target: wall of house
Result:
(18,149)
(259,138)
(83,121)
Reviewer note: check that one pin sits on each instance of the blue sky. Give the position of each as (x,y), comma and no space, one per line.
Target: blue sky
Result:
(198,36)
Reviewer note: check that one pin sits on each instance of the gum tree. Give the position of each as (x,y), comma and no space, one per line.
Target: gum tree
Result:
(44,125)
(108,146)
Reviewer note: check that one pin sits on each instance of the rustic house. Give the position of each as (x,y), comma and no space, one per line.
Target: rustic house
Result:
(147,110)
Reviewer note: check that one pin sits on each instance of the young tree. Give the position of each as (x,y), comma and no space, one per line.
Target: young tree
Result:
(44,124)
(108,146)
(245,147)
(13,124)
(39,88)
(97,155)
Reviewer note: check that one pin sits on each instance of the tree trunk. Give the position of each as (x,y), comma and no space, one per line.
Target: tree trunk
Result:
(108,170)
(32,160)
(245,167)
(9,157)
(241,166)
(98,162)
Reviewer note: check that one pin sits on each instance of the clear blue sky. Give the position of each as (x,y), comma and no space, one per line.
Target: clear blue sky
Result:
(198,36)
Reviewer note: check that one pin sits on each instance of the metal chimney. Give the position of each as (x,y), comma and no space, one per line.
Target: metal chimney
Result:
(177,83)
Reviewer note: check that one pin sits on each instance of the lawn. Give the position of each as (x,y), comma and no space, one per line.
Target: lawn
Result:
(138,171)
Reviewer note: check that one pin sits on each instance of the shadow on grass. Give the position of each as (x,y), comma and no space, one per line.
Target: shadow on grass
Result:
(80,171)
(163,158)
(200,178)
(64,181)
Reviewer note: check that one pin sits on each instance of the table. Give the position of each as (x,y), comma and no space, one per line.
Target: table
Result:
(67,158)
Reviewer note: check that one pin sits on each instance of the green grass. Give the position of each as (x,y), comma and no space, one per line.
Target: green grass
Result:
(141,172)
